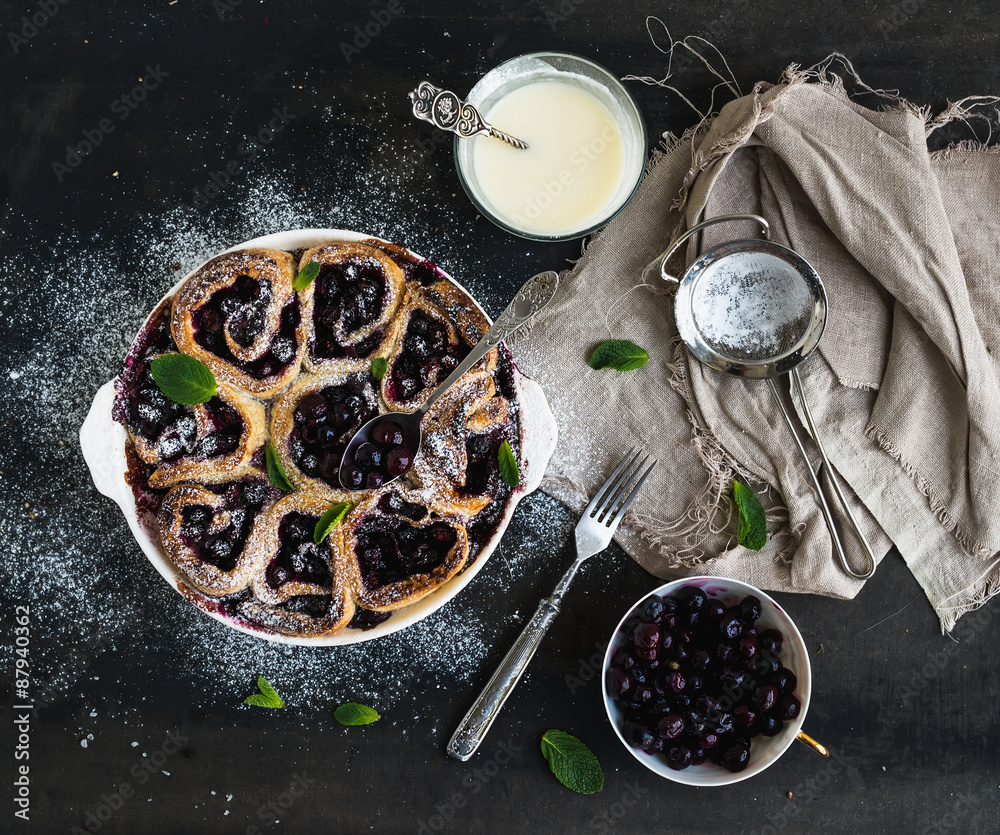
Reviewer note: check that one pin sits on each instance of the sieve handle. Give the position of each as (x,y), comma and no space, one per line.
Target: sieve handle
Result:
(765,227)
(834,480)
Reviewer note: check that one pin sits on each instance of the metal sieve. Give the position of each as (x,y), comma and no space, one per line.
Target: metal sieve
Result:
(754,308)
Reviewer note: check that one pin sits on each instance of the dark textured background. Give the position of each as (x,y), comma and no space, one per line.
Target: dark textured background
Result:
(117,657)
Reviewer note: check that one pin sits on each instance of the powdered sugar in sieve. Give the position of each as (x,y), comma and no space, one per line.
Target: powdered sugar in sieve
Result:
(751,306)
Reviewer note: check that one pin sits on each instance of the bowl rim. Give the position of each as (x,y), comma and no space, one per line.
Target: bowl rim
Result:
(612,81)
(789,732)
(103,441)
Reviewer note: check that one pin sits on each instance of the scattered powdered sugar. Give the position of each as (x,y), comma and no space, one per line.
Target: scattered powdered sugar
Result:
(74,301)
(751,306)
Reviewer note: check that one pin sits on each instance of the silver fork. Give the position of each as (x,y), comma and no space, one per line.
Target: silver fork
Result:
(593,534)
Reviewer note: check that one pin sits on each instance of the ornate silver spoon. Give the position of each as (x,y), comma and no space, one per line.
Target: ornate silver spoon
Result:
(396,436)
(445,110)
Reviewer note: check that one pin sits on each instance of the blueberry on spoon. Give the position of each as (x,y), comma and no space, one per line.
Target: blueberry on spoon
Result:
(383,449)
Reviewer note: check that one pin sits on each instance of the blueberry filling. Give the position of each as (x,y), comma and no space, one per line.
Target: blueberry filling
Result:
(242,501)
(482,472)
(243,307)
(299,558)
(366,619)
(483,468)
(236,607)
(326,420)
(390,550)
(427,357)
(392,504)
(310,605)
(172,428)
(382,457)
(154,339)
(420,270)
(347,297)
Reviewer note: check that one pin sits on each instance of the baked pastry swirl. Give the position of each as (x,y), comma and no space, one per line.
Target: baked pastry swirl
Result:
(352,306)
(240,316)
(399,550)
(211,442)
(295,368)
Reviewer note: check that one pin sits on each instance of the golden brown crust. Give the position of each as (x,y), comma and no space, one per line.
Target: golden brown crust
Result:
(269,265)
(406,592)
(387,321)
(216,469)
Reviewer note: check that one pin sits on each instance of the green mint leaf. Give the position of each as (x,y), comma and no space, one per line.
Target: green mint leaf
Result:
(509,471)
(573,763)
(379,366)
(329,520)
(267,697)
(353,713)
(184,379)
(275,472)
(307,275)
(751,531)
(619,354)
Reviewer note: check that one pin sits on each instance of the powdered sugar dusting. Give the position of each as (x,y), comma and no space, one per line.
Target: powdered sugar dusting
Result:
(72,557)
(751,305)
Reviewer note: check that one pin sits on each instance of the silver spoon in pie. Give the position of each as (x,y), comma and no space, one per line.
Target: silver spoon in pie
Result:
(395,436)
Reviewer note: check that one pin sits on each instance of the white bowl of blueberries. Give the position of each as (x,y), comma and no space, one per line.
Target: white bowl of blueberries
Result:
(706,681)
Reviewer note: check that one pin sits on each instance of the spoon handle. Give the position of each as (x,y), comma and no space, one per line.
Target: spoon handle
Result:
(445,110)
(536,292)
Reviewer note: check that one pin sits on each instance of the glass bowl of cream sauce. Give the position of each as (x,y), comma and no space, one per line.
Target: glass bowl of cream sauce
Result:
(586,147)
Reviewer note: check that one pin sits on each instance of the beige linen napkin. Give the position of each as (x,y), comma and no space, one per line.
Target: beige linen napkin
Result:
(904,385)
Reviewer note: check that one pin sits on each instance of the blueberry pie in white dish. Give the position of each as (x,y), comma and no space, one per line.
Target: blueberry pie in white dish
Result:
(297,371)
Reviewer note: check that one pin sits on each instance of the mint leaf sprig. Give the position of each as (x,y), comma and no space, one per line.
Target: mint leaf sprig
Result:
(267,697)
(307,275)
(619,354)
(379,366)
(509,471)
(329,520)
(353,713)
(275,472)
(751,529)
(183,379)
(572,762)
